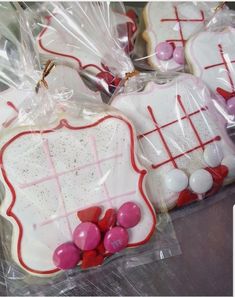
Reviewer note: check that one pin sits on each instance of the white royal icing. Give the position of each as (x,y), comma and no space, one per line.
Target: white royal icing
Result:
(211,57)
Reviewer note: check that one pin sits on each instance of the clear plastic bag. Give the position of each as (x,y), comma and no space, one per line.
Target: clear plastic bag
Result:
(183,138)
(163,31)
(214,61)
(73,188)
(91,37)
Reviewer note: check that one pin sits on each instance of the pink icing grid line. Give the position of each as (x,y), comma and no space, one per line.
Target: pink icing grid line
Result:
(56,176)
(53,169)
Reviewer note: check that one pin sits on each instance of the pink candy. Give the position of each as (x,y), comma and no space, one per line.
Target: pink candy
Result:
(66,256)
(178,55)
(231,105)
(116,240)
(164,51)
(128,215)
(86,236)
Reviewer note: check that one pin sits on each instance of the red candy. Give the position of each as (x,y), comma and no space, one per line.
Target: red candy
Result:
(186,197)
(101,249)
(90,214)
(91,259)
(218,173)
(108,221)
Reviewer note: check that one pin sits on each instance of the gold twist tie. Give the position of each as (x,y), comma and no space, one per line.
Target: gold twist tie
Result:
(48,67)
(131,74)
(220,6)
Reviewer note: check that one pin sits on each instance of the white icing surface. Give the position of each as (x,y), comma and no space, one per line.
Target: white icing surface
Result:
(56,174)
(202,54)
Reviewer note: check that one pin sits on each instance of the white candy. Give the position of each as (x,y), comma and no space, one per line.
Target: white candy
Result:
(229,161)
(201,181)
(176,180)
(213,155)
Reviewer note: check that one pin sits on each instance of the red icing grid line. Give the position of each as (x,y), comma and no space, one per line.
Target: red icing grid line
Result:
(173,122)
(190,121)
(178,20)
(159,130)
(55,176)
(225,64)
(8,122)
(162,137)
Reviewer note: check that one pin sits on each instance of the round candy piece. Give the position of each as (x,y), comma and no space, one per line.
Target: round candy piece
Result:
(178,55)
(229,161)
(116,240)
(231,105)
(164,51)
(213,155)
(200,181)
(128,215)
(86,236)
(176,180)
(66,256)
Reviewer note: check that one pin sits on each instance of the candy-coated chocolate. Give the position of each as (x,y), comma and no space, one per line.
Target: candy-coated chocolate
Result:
(201,181)
(176,180)
(213,155)
(86,236)
(164,51)
(178,55)
(231,105)
(229,161)
(128,215)
(66,256)
(116,240)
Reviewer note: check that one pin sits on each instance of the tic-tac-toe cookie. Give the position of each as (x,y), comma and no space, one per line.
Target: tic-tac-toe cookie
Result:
(75,192)
(214,61)
(183,141)
(168,26)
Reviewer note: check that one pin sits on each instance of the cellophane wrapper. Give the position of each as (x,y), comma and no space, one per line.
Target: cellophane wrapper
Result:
(94,38)
(214,62)
(70,153)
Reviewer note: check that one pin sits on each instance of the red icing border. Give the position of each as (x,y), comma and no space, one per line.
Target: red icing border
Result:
(64,123)
(48,19)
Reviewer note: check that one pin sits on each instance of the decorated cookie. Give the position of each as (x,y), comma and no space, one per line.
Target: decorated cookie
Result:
(168,27)
(54,41)
(183,142)
(214,62)
(66,187)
